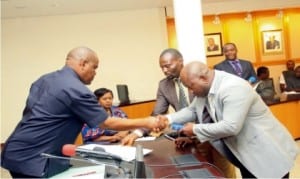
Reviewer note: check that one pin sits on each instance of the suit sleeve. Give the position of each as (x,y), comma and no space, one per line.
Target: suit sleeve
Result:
(252,71)
(162,104)
(234,109)
(185,115)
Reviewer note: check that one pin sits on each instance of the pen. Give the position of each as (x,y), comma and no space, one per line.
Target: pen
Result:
(83,174)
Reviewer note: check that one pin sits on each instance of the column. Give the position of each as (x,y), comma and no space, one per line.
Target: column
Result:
(189,29)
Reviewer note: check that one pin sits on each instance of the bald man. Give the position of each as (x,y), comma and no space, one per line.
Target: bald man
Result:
(243,128)
(58,105)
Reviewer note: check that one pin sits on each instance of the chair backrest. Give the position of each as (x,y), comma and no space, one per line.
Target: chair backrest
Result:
(123,94)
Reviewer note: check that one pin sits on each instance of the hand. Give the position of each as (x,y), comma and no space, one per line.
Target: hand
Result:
(187,129)
(156,124)
(112,139)
(122,134)
(162,123)
(129,139)
(181,142)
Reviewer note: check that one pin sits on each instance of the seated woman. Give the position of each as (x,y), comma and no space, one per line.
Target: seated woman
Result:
(264,87)
(105,99)
(293,82)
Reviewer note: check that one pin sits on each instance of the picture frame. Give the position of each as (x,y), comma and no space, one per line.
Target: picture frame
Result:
(272,41)
(213,44)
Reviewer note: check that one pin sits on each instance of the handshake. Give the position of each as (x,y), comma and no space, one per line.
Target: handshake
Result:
(157,124)
(160,122)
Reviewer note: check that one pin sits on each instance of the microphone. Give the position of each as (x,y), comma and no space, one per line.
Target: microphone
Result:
(111,170)
(98,152)
(74,159)
(139,165)
(252,79)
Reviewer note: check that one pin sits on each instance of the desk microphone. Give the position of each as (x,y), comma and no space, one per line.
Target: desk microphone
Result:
(74,159)
(139,165)
(111,170)
(72,150)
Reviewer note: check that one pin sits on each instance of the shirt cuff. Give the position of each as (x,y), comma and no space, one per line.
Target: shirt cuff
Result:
(170,120)
(138,132)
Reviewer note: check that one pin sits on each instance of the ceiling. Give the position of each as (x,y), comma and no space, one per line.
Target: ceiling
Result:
(29,8)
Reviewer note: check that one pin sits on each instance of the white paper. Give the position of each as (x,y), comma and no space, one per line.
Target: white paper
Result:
(145,138)
(127,153)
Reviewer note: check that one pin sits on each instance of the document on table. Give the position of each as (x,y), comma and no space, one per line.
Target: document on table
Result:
(127,153)
(149,138)
(90,172)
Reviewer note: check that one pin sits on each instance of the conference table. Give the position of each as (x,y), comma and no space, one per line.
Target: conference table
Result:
(165,161)
(161,160)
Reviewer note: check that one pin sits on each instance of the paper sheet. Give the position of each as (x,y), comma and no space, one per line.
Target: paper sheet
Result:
(145,139)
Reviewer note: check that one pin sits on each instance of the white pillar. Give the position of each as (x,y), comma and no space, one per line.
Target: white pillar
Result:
(189,29)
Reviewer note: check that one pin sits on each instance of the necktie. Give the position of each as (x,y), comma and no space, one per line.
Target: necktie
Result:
(237,68)
(182,98)
(205,116)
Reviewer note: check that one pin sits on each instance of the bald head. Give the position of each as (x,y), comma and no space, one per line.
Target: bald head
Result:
(195,69)
(84,62)
(197,77)
(81,53)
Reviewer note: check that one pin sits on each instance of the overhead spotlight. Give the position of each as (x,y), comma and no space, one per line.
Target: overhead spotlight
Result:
(216,20)
(279,14)
(248,17)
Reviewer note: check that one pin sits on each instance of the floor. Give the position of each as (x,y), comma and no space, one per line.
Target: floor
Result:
(294,173)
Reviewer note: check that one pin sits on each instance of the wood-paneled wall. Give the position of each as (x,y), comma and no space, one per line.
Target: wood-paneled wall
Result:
(248,35)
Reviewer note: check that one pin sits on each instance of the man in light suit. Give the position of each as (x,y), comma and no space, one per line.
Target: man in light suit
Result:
(171,63)
(242,125)
(244,68)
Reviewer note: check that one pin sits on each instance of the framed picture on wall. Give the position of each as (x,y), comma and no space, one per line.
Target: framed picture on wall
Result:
(213,44)
(272,41)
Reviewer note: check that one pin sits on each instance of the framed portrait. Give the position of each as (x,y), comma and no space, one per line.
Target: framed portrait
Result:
(213,44)
(272,41)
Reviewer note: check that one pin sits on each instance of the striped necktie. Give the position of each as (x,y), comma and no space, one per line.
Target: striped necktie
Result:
(206,116)
(182,98)
(237,67)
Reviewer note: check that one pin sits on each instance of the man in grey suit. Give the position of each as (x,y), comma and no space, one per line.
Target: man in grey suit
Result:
(242,125)
(233,65)
(171,63)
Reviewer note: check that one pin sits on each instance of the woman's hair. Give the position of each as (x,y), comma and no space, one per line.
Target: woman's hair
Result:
(102,91)
(261,70)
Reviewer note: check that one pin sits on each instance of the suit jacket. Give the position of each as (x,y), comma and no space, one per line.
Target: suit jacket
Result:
(247,68)
(246,125)
(166,95)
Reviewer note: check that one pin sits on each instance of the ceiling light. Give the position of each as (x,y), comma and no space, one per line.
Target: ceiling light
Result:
(279,14)
(248,17)
(216,20)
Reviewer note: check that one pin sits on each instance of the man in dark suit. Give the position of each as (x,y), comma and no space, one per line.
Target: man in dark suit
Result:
(233,65)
